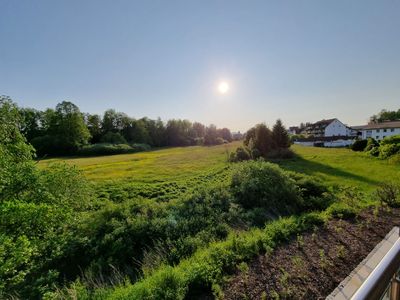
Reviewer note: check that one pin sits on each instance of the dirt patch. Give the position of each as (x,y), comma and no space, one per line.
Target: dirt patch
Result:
(313,264)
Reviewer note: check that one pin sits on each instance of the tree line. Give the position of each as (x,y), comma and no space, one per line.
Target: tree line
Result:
(65,129)
(385,115)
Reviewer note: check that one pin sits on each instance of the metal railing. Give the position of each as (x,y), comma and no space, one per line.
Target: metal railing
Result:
(383,280)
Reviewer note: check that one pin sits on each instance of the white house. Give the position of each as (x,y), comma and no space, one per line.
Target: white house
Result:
(379,131)
(328,133)
(328,128)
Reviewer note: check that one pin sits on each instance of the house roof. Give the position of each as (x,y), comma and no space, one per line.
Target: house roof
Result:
(324,122)
(382,125)
(320,124)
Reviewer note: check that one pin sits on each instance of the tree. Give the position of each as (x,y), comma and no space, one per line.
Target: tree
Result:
(385,115)
(199,130)
(68,128)
(263,141)
(280,135)
(249,135)
(93,123)
(30,123)
(225,134)
(211,135)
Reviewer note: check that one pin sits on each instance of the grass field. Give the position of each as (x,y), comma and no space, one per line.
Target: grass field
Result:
(342,166)
(170,164)
(336,166)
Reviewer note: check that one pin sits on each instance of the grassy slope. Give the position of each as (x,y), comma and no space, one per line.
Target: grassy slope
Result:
(336,166)
(342,166)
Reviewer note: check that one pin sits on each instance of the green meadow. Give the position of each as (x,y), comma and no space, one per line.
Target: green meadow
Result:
(341,166)
(334,166)
(163,165)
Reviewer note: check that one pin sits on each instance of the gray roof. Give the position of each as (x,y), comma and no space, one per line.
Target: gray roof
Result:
(382,125)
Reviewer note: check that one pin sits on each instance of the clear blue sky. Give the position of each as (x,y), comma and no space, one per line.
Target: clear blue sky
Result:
(296,60)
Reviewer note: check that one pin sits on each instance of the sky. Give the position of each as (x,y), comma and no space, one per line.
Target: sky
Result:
(299,60)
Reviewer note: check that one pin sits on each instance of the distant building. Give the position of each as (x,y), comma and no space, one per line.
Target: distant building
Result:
(328,128)
(378,131)
(328,133)
(294,130)
(236,136)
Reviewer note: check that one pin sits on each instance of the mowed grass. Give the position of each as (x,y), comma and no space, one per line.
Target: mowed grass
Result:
(342,167)
(164,165)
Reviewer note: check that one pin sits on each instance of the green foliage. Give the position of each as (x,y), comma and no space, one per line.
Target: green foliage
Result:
(386,115)
(280,135)
(388,193)
(240,154)
(359,145)
(388,150)
(262,184)
(108,149)
(395,139)
(342,211)
(113,138)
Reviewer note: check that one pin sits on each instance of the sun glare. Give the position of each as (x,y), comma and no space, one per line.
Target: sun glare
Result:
(223,87)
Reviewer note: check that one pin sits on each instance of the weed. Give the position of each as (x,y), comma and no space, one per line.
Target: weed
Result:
(323,260)
(300,241)
(340,251)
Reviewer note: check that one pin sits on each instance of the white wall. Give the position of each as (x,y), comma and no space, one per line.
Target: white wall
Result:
(379,134)
(336,128)
(338,143)
(308,144)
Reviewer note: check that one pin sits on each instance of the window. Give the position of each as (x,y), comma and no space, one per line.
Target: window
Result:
(392,130)
(384,130)
(377,130)
(377,137)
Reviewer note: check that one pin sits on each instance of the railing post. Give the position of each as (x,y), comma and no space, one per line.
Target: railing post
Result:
(395,288)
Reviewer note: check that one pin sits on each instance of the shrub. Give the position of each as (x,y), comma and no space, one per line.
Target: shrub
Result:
(262,184)
(240,154)
(342,210)
(107,149)
(395,139)
(371,145)
(359,145)
(314,192)
(389,194)
(220,141)
(387,150)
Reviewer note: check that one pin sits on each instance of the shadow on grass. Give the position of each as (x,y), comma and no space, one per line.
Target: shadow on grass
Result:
(309,167)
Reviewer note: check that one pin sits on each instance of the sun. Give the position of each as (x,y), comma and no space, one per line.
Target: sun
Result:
(223,87)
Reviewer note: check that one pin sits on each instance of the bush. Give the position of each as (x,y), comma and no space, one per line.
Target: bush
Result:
(315,194)
(240,154)
(342,210)
(359,145)
(371,144)
(387,150)
(220,141)
(395,139)
(108,149)
(389,194)
(262,184)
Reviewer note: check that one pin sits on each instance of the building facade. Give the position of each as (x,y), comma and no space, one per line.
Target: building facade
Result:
(379,131)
